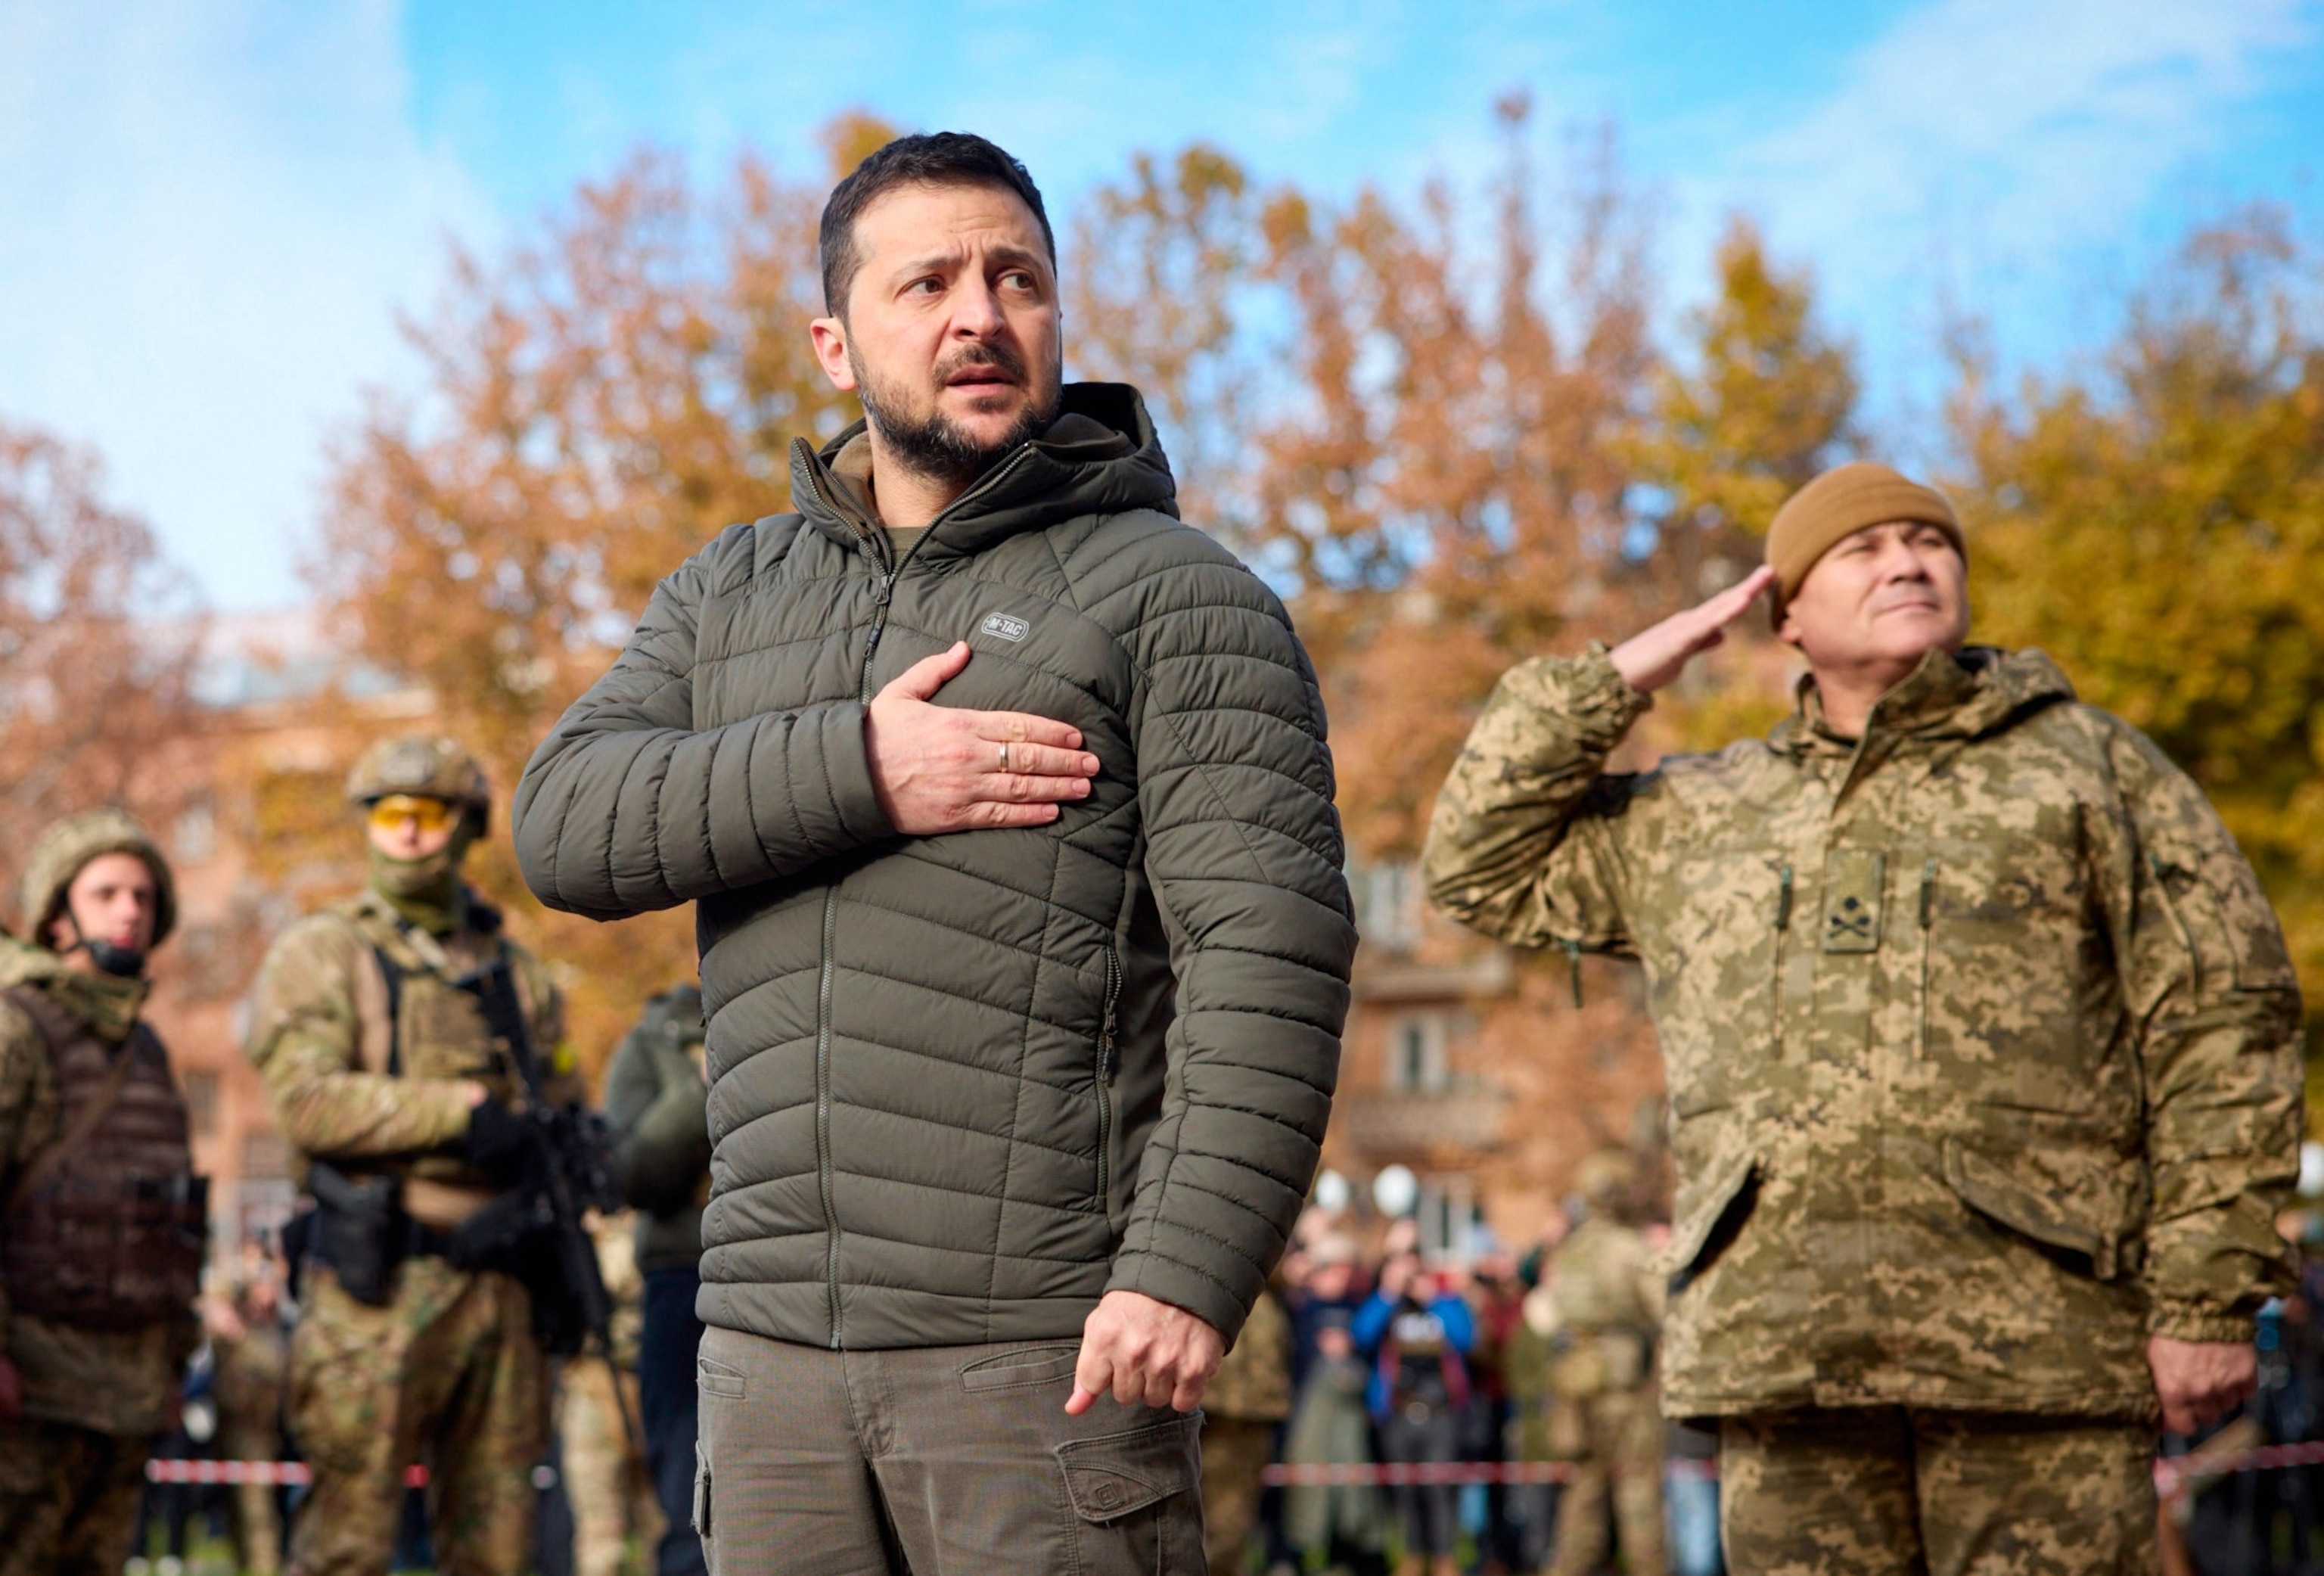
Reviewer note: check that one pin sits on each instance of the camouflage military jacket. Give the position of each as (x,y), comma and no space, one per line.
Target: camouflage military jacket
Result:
(1605,1298)
(362,1036)
(1981,1040)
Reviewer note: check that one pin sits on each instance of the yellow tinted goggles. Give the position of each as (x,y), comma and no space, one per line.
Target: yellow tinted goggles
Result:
(430,815)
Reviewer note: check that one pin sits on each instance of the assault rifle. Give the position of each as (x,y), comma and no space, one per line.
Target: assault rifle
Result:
(535,1231)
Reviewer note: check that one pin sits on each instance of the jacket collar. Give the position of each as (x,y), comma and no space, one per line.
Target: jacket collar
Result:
(1980,691)
(1102,455)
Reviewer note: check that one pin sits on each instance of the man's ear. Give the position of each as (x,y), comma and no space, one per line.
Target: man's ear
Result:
(1788,631)
(830,337)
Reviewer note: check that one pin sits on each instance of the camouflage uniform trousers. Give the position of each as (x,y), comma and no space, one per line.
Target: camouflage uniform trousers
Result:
(255,1511)
(67,1498)
(1874,1490)
(1616,1442)
(1235,1451)
(446,1374)
(606,1477)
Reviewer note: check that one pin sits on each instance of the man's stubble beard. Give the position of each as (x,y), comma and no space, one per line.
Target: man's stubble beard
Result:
(936,447)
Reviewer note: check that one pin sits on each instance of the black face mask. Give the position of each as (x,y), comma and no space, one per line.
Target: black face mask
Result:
(124,962)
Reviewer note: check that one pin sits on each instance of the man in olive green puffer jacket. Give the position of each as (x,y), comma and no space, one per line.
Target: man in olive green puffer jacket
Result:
(1003,799)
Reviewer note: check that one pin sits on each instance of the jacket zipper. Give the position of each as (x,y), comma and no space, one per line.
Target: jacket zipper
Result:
(1928,921)
(877,554)
(1108,1061)
(1776,985)
(873,546)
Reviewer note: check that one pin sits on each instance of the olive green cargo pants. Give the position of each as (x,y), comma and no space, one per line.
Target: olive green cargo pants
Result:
(949,1460)
(1903,1491)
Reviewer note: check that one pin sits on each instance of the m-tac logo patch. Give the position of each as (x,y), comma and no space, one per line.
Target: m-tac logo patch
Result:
(1002,627)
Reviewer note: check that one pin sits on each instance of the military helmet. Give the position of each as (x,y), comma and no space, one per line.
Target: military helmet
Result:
(425,767)
(1604,1180)
(64,850)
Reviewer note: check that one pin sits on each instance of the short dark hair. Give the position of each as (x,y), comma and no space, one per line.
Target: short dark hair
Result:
(923,159)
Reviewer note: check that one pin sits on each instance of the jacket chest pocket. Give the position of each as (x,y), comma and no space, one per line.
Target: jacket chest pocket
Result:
(2003,956)
(1718,974)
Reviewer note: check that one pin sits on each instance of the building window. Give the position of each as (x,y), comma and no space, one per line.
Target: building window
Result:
(1417,1053)
(1387,904)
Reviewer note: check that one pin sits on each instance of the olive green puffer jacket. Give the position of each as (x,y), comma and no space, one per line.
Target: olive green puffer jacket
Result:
(962,1087)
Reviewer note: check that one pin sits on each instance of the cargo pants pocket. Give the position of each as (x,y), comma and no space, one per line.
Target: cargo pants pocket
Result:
(701,1491)
(1133,1505)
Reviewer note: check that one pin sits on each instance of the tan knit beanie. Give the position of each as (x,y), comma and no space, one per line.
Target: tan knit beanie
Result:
(1838,503)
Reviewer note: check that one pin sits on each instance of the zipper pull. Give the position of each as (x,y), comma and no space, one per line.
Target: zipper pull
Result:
(1928,891)
(1783,899)
(1573,968)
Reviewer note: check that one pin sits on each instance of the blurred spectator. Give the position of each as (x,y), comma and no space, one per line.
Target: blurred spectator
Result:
(655,1102)
(1333,1287)
(1498,1298)
(1419,1336)
(251,1348)
(1248,1398)
(1532,1507)
(1334,1526)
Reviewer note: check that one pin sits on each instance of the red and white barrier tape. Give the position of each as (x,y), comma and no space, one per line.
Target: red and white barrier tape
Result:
(2170,1472)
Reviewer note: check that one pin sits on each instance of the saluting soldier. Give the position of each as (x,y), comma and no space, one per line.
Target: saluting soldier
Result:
(1982,1047)
(394,1073)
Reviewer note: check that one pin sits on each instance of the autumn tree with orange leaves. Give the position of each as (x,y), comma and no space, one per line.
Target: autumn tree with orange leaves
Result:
(97,641)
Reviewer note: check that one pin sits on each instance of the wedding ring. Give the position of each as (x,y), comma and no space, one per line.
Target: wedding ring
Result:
(1004,755)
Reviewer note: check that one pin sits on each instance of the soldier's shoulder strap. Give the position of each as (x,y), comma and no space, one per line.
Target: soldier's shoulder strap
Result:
(56,1026)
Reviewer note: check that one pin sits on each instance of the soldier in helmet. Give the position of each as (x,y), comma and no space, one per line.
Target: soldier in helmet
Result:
(401,1092)
(102,1220)
(1600,1305)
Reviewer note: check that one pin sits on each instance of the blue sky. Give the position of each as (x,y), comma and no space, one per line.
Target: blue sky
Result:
(210,216)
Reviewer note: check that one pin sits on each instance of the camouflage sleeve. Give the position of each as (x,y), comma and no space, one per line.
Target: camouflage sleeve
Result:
(2209,981)
(1520,846)
(305,1041)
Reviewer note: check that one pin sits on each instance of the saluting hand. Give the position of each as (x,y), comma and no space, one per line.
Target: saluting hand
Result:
(940,768)
(1652,658)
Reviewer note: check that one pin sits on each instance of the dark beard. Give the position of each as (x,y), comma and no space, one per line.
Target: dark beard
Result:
(934,446)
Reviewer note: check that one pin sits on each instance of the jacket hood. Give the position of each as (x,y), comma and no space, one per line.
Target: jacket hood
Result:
(1101,455)
(1981,690)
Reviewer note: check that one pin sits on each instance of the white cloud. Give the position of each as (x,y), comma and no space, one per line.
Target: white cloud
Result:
(1999,149)
(208,218)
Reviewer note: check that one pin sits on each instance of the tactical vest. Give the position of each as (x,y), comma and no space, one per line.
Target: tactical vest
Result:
(106,1227)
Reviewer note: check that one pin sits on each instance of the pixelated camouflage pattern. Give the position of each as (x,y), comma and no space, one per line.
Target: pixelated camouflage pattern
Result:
(1883,1491)
(446,1373)
(319,1037)
(1981,1039)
